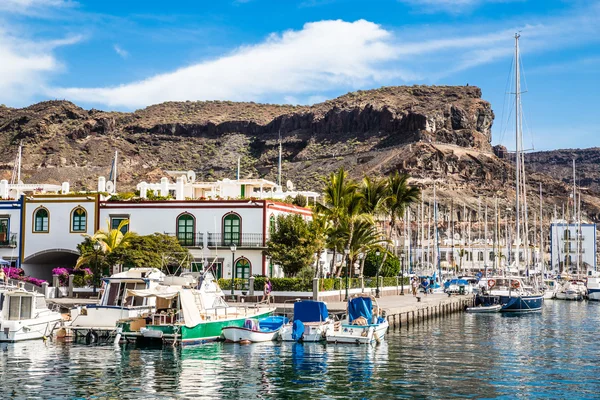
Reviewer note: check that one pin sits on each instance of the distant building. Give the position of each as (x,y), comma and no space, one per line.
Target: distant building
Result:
(572,247)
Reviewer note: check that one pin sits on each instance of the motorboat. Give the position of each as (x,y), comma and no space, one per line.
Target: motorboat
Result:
(115,303)
(593,288)
(363,324)
(550,288)
(187,312)
(25,315)
(458,286)
(511,294)
(311,323)
(255,330)
(572,290)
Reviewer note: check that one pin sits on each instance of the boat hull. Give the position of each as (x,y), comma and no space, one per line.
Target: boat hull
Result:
(515,304)
(484,309)
(358,334)
(19,330)
(236,335)
(594,294)
(313,332)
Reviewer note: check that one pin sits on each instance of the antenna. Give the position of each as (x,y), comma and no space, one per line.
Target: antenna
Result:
(238,169)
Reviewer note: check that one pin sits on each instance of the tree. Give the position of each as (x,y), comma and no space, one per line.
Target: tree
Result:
(110,240)
(391,266)
(292,245)
(158,250)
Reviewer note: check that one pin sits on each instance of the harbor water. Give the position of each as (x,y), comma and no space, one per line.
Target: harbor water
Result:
(551,354)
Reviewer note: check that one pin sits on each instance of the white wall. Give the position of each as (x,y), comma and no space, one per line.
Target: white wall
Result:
(7,209)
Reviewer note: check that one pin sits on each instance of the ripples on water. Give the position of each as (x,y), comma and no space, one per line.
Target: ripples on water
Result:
(552,354)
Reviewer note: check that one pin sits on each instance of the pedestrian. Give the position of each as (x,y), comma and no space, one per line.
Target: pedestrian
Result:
(415,285)
(425,285)
(267,291)
(3,277)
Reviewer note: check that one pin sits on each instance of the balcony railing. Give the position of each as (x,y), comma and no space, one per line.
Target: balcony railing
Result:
(189,239)
(219,240)
(243,240)
(8,240)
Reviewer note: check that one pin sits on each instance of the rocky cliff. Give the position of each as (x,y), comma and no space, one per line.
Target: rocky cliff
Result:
(436,134)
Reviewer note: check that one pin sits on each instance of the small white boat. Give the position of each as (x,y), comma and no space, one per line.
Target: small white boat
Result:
(25,316)
(311,323)
(572,290)
(255,330)
(363,323)
(484,309)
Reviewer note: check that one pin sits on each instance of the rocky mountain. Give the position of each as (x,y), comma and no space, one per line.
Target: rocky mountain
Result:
(436,134)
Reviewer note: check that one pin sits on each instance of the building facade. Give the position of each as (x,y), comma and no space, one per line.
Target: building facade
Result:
(572,247)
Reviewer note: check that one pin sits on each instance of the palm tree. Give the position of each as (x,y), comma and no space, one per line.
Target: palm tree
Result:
(110,241)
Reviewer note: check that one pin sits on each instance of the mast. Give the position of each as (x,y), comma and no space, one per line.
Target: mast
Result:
(518,149)
(279,167)
(485,241)
(19,162)
(543,268)
(115,180)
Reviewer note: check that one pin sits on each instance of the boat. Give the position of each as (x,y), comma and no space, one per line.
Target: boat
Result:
(185,315)
(550,288)
(94,320)
(481,309)
(363,323)
(25,315)
(255,330)
(593,287)
(572,290)
(458,286)
(511,294)
(310,323)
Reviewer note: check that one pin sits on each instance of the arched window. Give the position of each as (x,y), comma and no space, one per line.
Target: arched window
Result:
(231,229)
(78,220)
(242,268)
(185,229)
(40,220)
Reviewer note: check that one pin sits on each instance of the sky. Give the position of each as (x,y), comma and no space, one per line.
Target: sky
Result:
(126,55)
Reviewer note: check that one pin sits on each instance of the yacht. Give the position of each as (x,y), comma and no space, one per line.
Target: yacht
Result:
(511,293)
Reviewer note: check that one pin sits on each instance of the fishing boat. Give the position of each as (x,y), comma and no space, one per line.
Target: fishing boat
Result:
(481,309)
(24,315)
(363,323)
(95,320)
(572,290)
(310,323)
(511,294)
(255,330)
(186,315)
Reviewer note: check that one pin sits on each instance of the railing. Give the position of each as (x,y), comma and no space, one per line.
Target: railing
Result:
(8,240)
(26,285)
(573,238)
(189,239)
(243,240)
(572,250)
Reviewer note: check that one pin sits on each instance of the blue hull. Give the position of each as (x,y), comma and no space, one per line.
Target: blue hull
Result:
(512,304)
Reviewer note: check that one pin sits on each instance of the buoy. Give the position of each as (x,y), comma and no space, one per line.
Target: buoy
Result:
(61,333)
(245,341)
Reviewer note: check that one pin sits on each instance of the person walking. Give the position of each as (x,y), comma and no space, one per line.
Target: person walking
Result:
(425,285)
(267,291)
(415,285)
(3,276)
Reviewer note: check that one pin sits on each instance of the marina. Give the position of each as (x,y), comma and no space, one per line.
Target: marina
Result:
(537,355)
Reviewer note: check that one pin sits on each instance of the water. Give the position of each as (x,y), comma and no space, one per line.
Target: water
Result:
(552,354)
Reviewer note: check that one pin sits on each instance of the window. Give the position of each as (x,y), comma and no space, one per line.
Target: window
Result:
(480,256)
(216,267)
(231,229)
(185,229)
(78,220)
(19,307)
(116,221)
(40,220)
(492,256)
(4,236)
(242,268)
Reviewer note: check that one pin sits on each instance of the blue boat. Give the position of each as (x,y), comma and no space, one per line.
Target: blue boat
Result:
(311,323)
(511,294)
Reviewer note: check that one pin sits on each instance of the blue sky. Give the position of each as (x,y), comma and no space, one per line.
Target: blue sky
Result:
(125,55)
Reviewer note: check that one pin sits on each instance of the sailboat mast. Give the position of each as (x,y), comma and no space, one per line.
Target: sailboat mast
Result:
(19,163)
(279,167)
(518,149)
(542,233)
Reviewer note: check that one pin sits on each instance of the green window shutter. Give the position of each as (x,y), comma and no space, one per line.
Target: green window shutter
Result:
(231,229)
(185,230)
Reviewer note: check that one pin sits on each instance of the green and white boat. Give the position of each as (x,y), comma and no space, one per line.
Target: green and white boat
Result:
(185,314)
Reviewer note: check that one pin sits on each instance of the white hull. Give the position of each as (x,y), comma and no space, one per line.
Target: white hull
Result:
(30,329)
(484,309)
(236,335)
(103,317)
(313,331)
(358,334)
(569,296)
(548,295)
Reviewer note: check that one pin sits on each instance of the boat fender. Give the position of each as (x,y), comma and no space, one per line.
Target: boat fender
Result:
(491,283)
(91,337)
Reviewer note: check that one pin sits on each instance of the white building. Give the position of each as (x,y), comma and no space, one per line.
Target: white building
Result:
(572,247)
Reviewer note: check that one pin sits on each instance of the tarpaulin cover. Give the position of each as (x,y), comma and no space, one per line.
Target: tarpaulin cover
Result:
(360,307)
(297,330)
(310,311)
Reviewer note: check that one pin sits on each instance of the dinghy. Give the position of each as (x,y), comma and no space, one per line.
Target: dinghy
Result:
(484,309)
(255,330)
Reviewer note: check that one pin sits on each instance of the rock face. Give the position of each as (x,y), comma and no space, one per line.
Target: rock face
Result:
(439,134)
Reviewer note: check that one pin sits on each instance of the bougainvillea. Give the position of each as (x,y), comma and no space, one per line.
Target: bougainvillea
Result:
(19,274)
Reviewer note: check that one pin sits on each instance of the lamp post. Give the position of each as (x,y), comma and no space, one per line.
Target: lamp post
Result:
(347,256)
(377,253)
(402,273)
(232,268)
(96,246)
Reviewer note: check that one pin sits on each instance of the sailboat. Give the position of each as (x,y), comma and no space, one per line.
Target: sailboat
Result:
(513,293)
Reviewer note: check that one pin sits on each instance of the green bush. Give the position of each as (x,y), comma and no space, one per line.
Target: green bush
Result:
(391,267)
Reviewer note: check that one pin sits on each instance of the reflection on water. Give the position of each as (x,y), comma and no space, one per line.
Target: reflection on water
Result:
(548,354)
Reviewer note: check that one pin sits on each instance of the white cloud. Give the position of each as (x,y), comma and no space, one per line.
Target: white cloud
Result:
(33,7)
(26,66)
(122,52)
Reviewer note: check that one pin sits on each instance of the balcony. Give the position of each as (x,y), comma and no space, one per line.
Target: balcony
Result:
(572,250)
(8,240)
(217,240)
(243,240)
